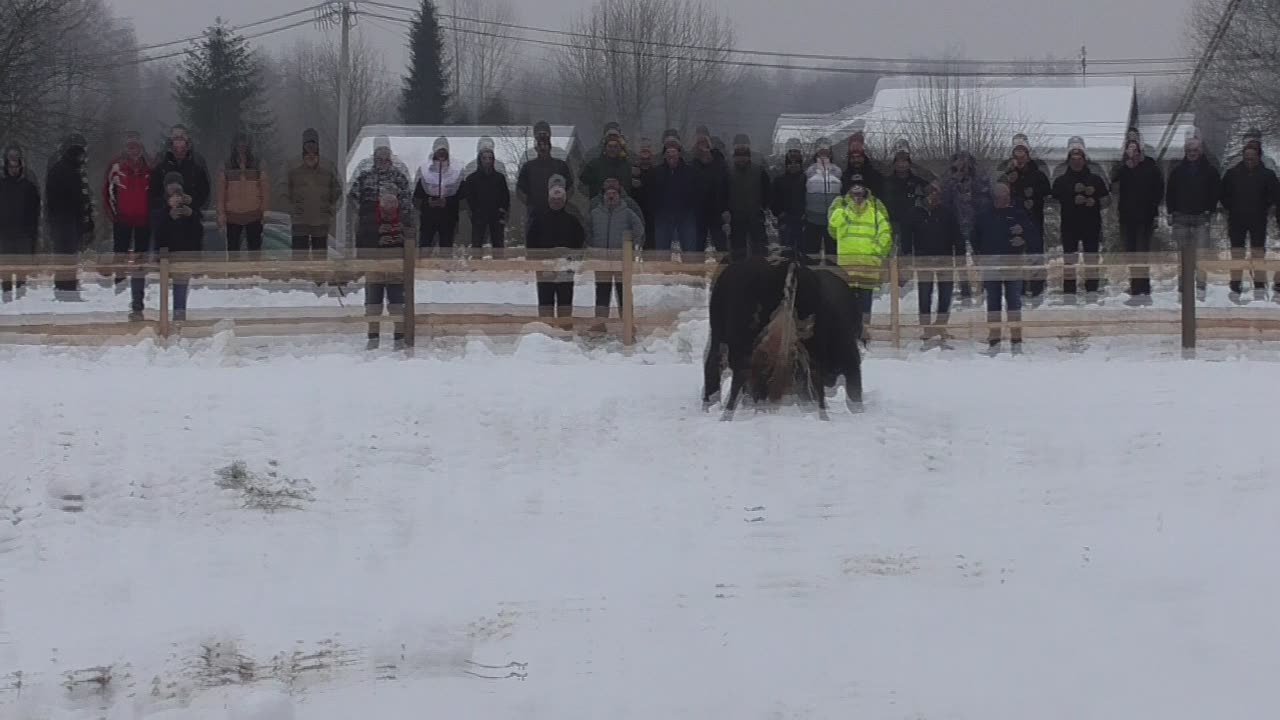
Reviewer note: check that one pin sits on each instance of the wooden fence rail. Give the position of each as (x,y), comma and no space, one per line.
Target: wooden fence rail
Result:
(412,264)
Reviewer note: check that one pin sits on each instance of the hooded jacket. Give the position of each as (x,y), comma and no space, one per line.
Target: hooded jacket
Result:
(439,179)
(608,225)
(1140,190)
(67,194)
(126,191)
(195,179)
(19,209)
(244,190)
(1248,194)
(487,194)
(313,194)
(822,187)
(863,239)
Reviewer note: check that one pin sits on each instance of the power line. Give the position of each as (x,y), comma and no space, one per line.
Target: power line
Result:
(235,28)
(773,53)
(777,66)
(180,53)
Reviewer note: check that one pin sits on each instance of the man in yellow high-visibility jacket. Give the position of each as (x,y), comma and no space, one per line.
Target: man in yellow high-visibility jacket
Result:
(860,225)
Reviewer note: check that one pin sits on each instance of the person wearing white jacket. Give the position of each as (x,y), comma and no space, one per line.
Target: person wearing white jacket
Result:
(822,187)
(436,194)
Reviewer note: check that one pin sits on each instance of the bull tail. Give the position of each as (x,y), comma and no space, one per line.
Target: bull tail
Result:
(775,354)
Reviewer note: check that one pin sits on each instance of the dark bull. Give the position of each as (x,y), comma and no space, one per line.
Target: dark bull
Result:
(783,329)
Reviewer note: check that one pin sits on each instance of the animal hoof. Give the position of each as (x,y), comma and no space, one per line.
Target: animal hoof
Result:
(823,416)
(855,406)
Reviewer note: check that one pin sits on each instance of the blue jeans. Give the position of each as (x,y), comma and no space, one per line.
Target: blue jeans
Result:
(672,230)
(138,286)
(1011,292)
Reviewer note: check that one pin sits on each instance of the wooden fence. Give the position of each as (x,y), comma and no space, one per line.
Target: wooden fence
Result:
(1192,322)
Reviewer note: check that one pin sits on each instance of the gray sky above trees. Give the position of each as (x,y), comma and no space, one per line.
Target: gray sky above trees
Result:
(982,28)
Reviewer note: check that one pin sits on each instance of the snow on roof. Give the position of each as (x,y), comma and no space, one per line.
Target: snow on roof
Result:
(1049,110)
(809,128)
(411,144)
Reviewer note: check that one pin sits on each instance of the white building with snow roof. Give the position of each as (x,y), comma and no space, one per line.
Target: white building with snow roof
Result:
(1050,111)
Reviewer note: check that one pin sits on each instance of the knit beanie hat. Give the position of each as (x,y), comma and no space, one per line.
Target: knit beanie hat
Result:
(612,128)
(902,145)
(556,186)
(1020,141)
(542,129)
(310,136)
(1074,144)
(791,144)
(671,138)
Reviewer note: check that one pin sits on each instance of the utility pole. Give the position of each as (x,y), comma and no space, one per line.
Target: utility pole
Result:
(1084,66)
(343,13)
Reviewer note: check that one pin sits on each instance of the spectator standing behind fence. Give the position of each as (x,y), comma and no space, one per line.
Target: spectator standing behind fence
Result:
(711,175)
(383,198)
(178,231)
(822,187)
(858,163)
(611,220)
(1083,195)
(903,191)
(1002,235)
(19,216)
(552,228)
(1028,181)
(180,156)
(126,189)
(69,207)
(488,197)
(749,191)
(864,237)
(313,194)
(436,192)
(535,175)
(932,233)
(1138,184)
(612,162)
(1191,196)
(789,200)
(967,191)
(641,182)
(1249,192)
(244,195)
(673,191)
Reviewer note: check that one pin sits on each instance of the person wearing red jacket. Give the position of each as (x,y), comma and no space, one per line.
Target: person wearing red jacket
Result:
(125,193)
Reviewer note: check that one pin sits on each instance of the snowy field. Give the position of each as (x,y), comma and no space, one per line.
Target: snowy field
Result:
(547,530)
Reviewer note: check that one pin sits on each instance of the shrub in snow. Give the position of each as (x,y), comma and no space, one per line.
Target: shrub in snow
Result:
(271,492)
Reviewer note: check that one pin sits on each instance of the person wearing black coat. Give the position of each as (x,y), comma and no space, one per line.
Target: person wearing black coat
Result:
(553,227)
(68,204)
(1248,193)
(180,156)
(788,201)
(19,214)
(711,197)
(1003,235)
(1028,181)
(903,191)
(932,232)
(1140,188)
(672,195)
(489,199)
(641,191)
(1191,197)
(179,230)
(1083,194)
(859,163)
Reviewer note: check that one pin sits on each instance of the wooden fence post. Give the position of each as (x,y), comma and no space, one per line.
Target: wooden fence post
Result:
(410,300)
(1188,290)
(628,294)
(164,292)
(895,302)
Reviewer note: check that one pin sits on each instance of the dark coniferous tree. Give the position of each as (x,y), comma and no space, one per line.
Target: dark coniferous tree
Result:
(495,112)
(220,91)
(425,98)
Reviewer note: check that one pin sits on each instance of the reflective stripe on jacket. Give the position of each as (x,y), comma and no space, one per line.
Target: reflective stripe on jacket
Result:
(863,239)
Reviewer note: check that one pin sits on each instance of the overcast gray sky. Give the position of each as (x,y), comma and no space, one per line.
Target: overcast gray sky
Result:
(984,28)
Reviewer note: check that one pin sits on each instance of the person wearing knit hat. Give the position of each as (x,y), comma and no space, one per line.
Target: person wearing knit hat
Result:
(611,163)
(1082,194)
(125,193)
(642,174)
(1139,189)
(179,231)
(903,190)
(488,197)
(1249,191)
(69,207)
(19,214)
(749,197)
(822,187)
(1192,196)
(671,138)
(1029,184)
(788,198)
(711,197)
(860,163)
(439,180)
(864,239)
(553,227)
(244,196)
(312,193)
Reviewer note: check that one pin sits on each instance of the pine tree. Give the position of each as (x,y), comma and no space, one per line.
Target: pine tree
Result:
(220,91)
(426,91)
(495,112)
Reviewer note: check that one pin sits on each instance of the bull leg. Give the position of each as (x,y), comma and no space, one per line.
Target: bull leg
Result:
(713,368)
(819,392)
(853,389)
(735,393)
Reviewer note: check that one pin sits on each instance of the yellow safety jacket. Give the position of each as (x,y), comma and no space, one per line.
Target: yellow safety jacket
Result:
(863,238)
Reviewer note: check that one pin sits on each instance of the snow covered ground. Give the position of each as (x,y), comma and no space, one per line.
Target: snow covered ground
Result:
(547,530)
